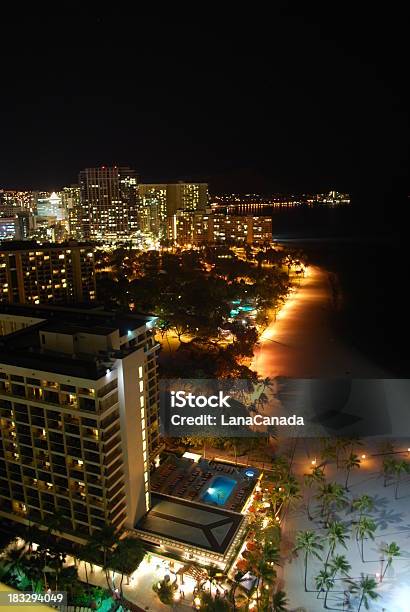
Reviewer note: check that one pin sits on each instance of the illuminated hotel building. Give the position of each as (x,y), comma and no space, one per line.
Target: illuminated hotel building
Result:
(15,227)
(207,227)
(71,202)
(152,209)
(36,274)
(159,201)
(78,415)
(109,203)
(13,202)
(51,206)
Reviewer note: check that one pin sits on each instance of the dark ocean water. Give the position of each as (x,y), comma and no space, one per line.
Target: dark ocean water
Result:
(370,259)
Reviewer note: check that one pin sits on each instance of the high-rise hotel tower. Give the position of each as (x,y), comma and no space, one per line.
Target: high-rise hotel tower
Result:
(108,202)
(78,417)
(36,274)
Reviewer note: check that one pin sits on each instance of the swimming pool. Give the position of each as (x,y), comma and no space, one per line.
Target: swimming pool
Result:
(219,491)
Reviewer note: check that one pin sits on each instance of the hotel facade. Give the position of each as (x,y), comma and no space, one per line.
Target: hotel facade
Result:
(159,201)
(78,416)
(207,227)
(37,274)
(108,202)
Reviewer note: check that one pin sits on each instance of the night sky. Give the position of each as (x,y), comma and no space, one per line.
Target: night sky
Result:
(294,101)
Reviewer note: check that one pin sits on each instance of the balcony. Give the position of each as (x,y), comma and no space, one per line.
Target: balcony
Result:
(94,501)
(49,384)
(86,392)
(92,479)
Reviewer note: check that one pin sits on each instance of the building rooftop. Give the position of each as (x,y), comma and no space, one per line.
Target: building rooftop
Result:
(190,523)
(29,245)
(23,349)
(88,315)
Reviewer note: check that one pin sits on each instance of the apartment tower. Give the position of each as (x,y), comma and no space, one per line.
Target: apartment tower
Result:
(38,274)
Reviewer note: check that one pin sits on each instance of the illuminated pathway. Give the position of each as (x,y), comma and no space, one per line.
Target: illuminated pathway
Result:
(302,342)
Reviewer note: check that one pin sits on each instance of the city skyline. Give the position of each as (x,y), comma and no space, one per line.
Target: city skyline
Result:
(316,102)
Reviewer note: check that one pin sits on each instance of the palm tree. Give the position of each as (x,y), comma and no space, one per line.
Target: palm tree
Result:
(340,564)
(279,602)
(324,582)
(261,567)
(315,477)
(209,604)
(390,551)
(363,504)
(55,523)
(56,562)
(336,535)
(14,562)
(365,528)
(233,444)
(68,579)
(351,463)
(328,452)
(366,589)
(341,445)
(31,535)
(128,556)
(388,464)
(285,494)
(34,572)
(399,468)
(332,496)
(105,539)
(353,442)
(280,468)
(212,572)
(89,554)
(308,542)
(43,557)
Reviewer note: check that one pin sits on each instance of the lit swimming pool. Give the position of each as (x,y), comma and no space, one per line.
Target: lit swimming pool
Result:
(219,491)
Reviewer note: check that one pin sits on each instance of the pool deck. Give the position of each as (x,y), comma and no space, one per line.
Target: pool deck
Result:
(188,480)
